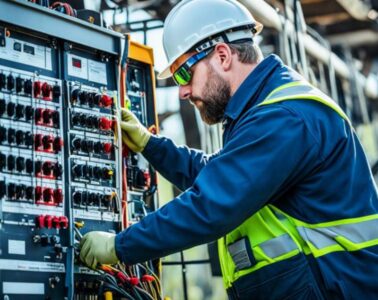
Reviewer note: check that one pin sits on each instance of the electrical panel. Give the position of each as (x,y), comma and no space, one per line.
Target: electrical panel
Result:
(63,168)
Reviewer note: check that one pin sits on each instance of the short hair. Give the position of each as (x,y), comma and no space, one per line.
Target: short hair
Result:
(248,53)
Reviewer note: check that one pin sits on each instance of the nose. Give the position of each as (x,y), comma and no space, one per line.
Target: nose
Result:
(185,91)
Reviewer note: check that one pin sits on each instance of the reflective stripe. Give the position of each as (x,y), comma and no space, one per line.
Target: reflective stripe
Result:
(302,91)
(240,254)
(357,233)
(278,246)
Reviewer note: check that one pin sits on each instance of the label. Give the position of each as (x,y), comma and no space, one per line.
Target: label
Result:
(16,247)
(97,72)
(95,215)
(27,53)
(34,266)
(31,209)
(23,288)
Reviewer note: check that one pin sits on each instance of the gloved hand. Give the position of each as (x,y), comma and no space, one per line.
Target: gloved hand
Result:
(134,134)
(98,247)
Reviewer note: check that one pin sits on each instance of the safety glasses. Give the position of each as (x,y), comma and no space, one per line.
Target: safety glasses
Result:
(183,74)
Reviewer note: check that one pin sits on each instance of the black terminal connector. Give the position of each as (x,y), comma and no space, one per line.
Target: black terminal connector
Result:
(3,106)
(19,84)
(29,166)
(3,81)
(11,162)
(28,87)
(28,113)
(20,191)
(10,82)
(20,137)
(11,109)
(56,92)
(3,134)
(20,164)
(11,191)
(20,111)
(3,160)
(11,135)
(28,139)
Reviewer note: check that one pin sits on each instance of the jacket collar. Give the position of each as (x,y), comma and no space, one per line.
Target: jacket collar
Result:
(250,88)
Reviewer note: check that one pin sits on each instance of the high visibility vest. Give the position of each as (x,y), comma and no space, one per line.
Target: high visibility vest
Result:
(271,235)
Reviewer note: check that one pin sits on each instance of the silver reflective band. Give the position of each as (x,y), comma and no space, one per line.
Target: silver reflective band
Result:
(239,254)
(322,237)
(278,246)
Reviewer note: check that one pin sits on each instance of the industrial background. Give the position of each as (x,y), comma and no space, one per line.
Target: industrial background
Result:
(333,43)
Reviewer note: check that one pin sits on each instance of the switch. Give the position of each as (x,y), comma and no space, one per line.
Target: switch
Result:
(20,137)
(28,113)
(11,162)
(55,118)
(58,170)
(105,124)
(10,82)
(57,145)
(108,147)
(28,139)
(20,164)
(28,87)
(20,111)
(46,116)
(56,92)
(106,100)
(29,193)
(37,88)
(3,81)
(3,134)
(47,195)
(3,160)
(3,106)
(10,109)
(29,166)
(11,135)
(20,191)
(19,84)
(46,90)
(58,196)
(47,142)
(47,168)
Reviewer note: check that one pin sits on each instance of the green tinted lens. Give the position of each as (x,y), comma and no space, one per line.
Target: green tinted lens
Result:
(182,76)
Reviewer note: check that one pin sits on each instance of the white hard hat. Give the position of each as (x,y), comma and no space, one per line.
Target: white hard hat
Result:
(210,21)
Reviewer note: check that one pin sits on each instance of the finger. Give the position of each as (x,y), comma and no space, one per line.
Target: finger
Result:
(84,251)
(82,241)
(126,126)
(127,115)
(94,263)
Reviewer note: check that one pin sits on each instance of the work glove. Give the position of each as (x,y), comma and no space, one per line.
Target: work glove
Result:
(134,134)
(98,247)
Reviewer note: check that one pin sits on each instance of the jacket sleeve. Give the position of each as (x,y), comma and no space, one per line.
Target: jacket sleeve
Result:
(267,153)
(180,165)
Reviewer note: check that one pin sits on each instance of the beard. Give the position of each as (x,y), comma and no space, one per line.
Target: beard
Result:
(216,94)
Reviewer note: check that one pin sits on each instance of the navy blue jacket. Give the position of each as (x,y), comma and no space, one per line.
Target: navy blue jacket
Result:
(300,155)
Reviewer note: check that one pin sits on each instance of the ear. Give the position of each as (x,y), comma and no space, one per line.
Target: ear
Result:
(224,56)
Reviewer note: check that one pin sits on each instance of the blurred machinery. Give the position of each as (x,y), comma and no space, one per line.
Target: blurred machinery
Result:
(63,168)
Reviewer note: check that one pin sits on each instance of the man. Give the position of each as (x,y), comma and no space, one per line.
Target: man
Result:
(290,197)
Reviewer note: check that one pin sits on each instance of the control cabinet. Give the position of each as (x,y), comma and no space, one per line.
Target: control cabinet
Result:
(63,168)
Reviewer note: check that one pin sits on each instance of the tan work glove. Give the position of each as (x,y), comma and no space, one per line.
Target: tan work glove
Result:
(134,134)
(98,247)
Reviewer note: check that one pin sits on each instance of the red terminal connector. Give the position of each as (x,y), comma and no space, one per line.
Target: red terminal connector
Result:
(57,145)
(37,89)
(58,196)
(47,142)
(46,91)
(40,221)
(48,221)
(147,278)
(105,124)
(38,193)
(106,100)
(48,195)
(122,277)
(63,220)
(56,222)
(133,281)
(108,147)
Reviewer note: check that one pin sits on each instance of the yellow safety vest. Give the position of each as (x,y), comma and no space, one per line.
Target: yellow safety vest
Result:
(272,235)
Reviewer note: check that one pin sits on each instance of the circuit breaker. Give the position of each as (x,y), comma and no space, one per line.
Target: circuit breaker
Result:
(63,168)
